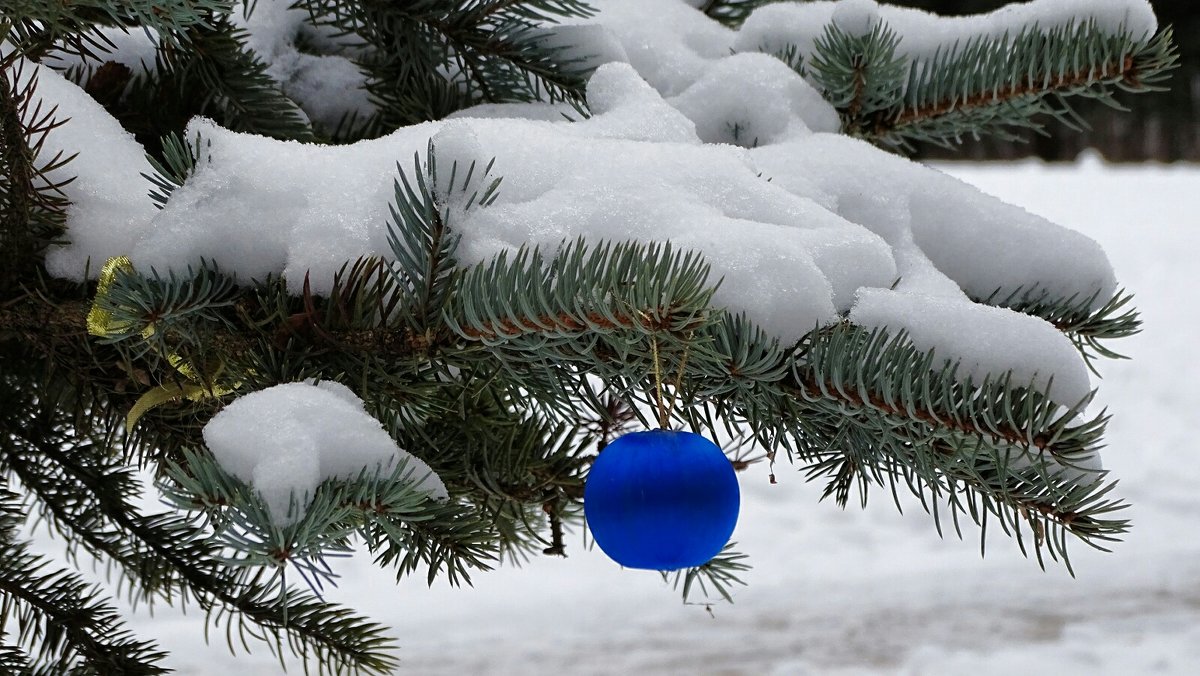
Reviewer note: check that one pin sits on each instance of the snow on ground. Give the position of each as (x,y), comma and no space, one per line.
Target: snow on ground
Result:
(872,592)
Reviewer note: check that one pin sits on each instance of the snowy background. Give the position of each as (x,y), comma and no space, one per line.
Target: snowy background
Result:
(871,592)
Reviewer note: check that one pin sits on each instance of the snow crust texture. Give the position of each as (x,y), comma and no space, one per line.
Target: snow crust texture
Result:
(287,439)
(693,137)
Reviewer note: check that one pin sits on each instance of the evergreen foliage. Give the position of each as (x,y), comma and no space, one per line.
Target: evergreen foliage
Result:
(984,86)
(506,377)
(496,49)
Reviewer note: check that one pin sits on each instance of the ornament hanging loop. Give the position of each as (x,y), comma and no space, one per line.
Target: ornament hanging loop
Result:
(664,416)
(667,407)
(679,376)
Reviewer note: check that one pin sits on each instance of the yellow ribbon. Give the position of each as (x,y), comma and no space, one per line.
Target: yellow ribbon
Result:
(100,323)
(99,320)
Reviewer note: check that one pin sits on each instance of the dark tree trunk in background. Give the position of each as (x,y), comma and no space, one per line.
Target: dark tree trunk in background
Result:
(1162,126)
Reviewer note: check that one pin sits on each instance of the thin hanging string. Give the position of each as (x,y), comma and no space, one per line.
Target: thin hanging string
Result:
(665,410)
(679,376)
(664,418)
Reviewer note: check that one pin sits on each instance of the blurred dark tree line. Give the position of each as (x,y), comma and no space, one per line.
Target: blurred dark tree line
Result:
(1161,126)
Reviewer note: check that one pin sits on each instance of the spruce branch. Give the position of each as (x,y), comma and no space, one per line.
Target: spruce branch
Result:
(88,495)
(997,87)
(60,615)
(873,370)
(146,306)
(229,79)
(75,26)
(178,162)
(989,86)
(207,70)
(983,86)
(430,58)
(178,557)
(421,242)
(583,290)
(14,660)
(397,521)
(860,75)
(720,573)
(797,402)
(888,413)
(32,204)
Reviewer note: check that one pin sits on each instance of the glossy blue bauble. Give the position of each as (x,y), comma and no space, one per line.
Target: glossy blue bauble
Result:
(661,500)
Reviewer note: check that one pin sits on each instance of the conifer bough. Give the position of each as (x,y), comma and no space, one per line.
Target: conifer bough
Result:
(497,288)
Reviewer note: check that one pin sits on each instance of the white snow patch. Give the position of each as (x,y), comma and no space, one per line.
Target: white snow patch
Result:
(669,43)
(634,171)
(287,439)
(586,46)
(624,106)
(983,244)
(259,206)
(754,99)
(110,207)
(981,339)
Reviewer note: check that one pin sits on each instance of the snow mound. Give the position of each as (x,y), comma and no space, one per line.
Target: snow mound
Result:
(109,205)
(754,99)
(287,439)
(983,340)
(799,225)
(634,171)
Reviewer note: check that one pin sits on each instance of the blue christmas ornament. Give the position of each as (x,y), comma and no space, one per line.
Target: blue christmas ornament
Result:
(661,500)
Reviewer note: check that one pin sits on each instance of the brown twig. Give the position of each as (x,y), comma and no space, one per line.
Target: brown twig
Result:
(515,327)
(810,388)
(557,547)
(1027,86)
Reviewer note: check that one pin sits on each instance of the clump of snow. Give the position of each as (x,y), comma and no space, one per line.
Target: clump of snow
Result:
(983,340)
(952,243)
(856,17)
(776,26)
(754,99)
(287,439)
(327,87)
(259,206)
(109,205)
(586,47)
(669,43)
(983,244)
(783,257)
(546,112)
(624,106)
